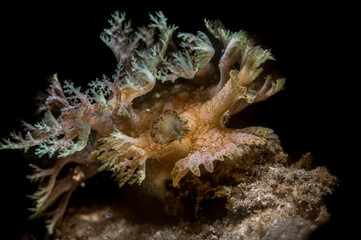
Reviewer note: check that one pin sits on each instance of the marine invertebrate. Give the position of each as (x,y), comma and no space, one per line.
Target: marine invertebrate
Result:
(165,101)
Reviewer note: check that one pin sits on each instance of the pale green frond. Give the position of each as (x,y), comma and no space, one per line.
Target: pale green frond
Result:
(166,32)
(150,59)
(80,143)
(100,89)
(253,57)
(165,39)
(9,144)
(217,29)
(200,45)
(117,19)
(159,21)
(183,65)
(120,38)
(278,85)
(119,154)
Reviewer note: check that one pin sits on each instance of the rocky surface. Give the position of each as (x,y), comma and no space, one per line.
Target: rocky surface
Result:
(260,195)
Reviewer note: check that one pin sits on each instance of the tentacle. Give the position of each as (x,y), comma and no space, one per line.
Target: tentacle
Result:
(269,88)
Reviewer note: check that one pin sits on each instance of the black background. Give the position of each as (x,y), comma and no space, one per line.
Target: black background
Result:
(309,42)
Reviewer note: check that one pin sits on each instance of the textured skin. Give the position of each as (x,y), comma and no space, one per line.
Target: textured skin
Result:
(207,139)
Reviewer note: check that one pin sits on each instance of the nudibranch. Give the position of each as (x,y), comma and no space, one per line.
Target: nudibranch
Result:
(167,103)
